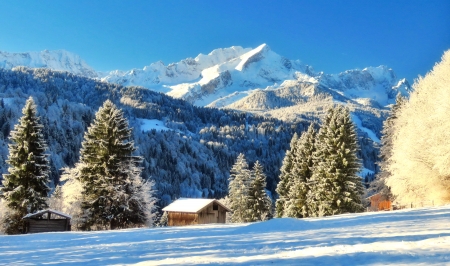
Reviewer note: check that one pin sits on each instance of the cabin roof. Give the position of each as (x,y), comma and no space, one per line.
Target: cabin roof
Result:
(40,213)
(376,194)
(191,205)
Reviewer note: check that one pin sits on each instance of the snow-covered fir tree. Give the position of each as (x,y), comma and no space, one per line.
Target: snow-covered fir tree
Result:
(285,178)
(302,170)
(113,194)
(25,187)
(240,180)
(335,187)
(260,204)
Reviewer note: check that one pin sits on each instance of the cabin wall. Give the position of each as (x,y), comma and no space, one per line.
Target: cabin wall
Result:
(182,218)
(48,225)
(208,215)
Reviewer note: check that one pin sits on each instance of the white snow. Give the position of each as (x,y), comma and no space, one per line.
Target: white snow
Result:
(369,132)
(46,211)
(244,58)
(149,124)
(188,205)
(405,237)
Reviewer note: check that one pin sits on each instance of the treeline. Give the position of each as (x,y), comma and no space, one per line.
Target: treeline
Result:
(192,159)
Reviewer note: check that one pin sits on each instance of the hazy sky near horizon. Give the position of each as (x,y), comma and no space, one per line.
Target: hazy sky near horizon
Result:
(332,36)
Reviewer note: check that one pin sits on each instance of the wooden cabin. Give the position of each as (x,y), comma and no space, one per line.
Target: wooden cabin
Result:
(185,211)
(378,203)
(47,221)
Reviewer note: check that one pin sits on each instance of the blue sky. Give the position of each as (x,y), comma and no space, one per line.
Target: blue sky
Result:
(332,36)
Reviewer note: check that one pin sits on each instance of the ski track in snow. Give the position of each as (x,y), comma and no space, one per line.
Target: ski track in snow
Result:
(406,237)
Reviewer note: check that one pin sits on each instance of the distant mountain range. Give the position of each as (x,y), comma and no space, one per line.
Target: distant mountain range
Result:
(226,76)
(253,80)
(60,60)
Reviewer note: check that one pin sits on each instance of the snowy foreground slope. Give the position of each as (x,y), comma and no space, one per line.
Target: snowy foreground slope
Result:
(413,237)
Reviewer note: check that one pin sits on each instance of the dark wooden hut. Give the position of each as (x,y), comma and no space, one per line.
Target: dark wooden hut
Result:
(186,211)
(47,221)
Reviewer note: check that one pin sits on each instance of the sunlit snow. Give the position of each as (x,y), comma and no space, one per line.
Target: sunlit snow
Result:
(369,132)
(149,124)
(405,237)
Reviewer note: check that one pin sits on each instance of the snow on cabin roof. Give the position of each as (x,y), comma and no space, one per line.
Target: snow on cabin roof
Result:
(190,205)
(39,213)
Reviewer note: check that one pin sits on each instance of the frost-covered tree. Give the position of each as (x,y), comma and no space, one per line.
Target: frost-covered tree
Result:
(55,201)
(25,187)
(71,194)
(420,163)
(240,179)
(260,204)
(113,194)
(302,170)
(283,186)
(379,184)
(335,186)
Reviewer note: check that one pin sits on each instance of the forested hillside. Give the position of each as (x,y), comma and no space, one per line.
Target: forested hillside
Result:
(191,159)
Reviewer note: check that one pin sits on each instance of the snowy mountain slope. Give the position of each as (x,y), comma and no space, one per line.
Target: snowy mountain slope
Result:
(158,76)
(228,75)
(405,237)
(224,72)
(59,60)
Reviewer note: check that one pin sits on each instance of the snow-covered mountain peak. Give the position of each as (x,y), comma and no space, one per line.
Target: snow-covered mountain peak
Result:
(220,56)
(60,60)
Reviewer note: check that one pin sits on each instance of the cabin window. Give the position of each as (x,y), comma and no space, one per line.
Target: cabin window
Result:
(215,207)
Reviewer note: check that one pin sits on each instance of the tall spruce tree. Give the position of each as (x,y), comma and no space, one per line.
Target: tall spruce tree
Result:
(113,191)
(335,186)
(285,178)
(238,190)
(25,187)
(302,170)
(260,204)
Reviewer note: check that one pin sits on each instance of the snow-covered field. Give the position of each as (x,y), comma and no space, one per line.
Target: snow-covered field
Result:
(406,237)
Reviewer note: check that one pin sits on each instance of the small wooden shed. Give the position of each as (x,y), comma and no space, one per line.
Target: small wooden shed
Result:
(186,211)
(378,203)
(47,221)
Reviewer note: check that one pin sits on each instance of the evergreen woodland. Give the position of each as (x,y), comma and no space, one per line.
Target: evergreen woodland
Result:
(192,157)
(319,174)
(247,196)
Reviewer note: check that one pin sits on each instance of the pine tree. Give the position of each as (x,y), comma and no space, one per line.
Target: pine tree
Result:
(259,203)
(285,178)
(240,179)
(25,187)
(335,186)
(302,171)
(114,195)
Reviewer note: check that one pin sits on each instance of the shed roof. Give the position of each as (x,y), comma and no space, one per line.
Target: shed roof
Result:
(39,213)
(376,194)
(191,205)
